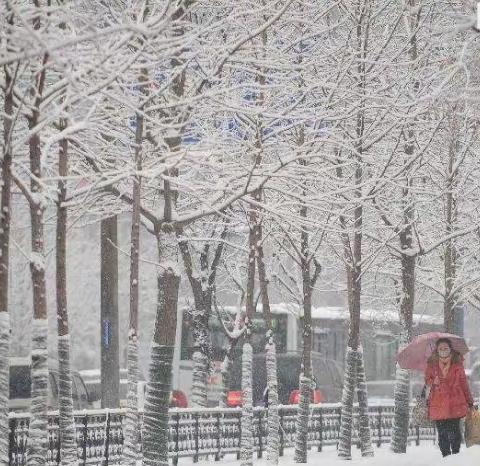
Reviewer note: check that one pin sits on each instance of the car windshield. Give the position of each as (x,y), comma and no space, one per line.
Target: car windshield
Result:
(20,382)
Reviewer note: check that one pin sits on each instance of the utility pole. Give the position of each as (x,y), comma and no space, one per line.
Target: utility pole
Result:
(459,319)
(110,365)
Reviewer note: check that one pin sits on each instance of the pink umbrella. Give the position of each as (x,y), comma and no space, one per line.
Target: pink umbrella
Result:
(416,354)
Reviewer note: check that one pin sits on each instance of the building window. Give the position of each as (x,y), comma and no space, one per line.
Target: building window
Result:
(320,342)
(385,351)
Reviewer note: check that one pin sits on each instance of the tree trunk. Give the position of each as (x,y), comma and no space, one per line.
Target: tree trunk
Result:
(247,406)
(38,426)
(308,282)
(402,378)
(348,394)
(68,442)
(450,263)
(110,364)
(402,405)
(202,289)
(351,358)
(5,216)
(247,354)
(353,257)
(273,440)
(271,355)
(226,364)
(200,379)
(37,444)
(363,414)
(301,430)
(132,423)
(155,424)
(305,385)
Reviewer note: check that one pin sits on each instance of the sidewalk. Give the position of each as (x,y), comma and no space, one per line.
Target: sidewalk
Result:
(424,455)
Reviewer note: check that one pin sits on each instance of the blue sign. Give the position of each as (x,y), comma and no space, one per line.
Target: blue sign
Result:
(107,333)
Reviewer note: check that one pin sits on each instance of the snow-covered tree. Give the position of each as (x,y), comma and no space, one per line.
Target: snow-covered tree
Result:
(202,275)
(7,79)
(67,426)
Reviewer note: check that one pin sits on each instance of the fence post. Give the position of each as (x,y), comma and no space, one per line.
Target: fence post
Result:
(280,450)
(11,439)
(339,413)
(379,427)
(320,422)
(219,439)
(85,437)
(177,429)
(239,434)
(107,438)
(195,458)
(59,443)
(260,440)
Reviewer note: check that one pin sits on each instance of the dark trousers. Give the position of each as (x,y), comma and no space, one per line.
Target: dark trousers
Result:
(449,436)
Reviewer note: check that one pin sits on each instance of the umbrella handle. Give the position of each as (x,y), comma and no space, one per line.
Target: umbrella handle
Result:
(424,391)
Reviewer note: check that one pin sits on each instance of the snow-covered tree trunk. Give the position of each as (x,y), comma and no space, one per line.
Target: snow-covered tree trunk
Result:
(402,379)
(225,370)
(246,441)
(37,438)
(68,444)
(200,379)
(5,216)
(37,434)
(273,440)
(401,416)
(348,395)
(451,254)
(132,424)
(203,351)
(155,418)
(301,433)
(363,415)
(353,257)
(4,386)
(202,285)
(308,282)
(247,406)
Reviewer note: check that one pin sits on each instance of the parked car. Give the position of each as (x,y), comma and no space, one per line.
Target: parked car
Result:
(327,376)
(93,383)
(316,397)
(20,386)
(178,399)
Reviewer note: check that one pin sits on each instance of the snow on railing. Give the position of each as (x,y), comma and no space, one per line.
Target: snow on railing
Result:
(198,433)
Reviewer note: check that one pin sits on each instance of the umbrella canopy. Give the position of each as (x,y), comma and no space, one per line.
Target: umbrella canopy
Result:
(416,354)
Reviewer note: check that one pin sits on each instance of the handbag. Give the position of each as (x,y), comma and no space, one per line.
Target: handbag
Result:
(472,428)
(420,415)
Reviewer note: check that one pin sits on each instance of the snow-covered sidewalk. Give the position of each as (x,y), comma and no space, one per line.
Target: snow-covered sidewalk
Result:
(424,455)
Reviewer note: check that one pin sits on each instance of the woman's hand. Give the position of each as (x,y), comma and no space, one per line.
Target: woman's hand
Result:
(436,380)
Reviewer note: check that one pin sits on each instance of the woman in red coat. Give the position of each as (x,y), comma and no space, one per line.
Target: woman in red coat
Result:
(450,397)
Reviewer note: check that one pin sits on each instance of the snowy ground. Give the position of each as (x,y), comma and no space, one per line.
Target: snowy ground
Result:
(424,455)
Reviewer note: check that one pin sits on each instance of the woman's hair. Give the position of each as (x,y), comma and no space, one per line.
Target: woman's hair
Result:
(456,356)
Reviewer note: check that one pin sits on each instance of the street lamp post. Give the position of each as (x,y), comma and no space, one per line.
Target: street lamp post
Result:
(109,360)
